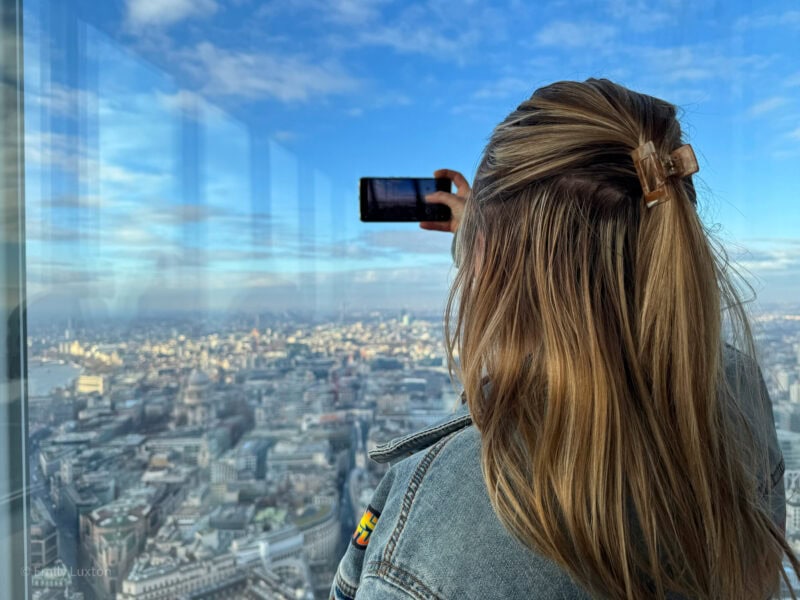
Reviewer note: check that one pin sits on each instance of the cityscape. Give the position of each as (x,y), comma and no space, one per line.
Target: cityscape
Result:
(182,459)
(189,166)
(228,457)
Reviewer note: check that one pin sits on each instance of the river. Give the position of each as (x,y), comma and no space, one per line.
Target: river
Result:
(44,377)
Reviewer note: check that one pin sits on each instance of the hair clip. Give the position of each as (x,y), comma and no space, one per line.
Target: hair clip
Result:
(653,171)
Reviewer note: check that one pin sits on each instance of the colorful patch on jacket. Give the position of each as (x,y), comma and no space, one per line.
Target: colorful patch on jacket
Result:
(362,533)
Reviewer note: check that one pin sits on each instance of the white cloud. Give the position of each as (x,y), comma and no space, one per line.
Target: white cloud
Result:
(684,64)
(260,75)
(789,18)
(697,63)
(342,12)
(70,154)
(767,105)
(403,241)
(366,276)
(573,34)
(422,39)
(354,11)
(376,101)
(182,101)
(640,15)
(53,149)
(134,235)
(795,135)
(161,13)
(61,100)
(769,255)
(445,30)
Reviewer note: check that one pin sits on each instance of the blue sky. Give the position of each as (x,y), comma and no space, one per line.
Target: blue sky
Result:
(205,153)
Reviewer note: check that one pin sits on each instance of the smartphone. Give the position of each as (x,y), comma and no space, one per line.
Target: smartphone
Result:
(402,199)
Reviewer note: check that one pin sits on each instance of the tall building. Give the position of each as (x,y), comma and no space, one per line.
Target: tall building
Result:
(111,538)
(43,537)
(794,392)
(782,377)
(195,406)
(790,447)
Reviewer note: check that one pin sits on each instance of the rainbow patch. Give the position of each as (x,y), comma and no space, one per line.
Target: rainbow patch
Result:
(365,528)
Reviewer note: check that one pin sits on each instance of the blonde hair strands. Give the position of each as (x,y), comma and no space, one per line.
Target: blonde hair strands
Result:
(612,441)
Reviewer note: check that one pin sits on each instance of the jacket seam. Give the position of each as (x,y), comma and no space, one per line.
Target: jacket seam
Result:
(459,423)
(424,433)
(400,577)
(777,473)
(411,492)
(344,587)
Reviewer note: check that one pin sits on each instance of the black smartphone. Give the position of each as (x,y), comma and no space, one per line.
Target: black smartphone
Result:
(402,199)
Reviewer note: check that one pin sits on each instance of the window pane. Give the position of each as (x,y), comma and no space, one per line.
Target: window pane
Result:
(215,339)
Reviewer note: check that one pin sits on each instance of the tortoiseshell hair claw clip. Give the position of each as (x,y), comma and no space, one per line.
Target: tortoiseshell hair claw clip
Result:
(654,171)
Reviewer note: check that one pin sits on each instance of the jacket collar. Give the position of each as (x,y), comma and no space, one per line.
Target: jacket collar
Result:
(410,443)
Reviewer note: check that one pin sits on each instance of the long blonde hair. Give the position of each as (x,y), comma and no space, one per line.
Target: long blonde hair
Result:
(611,440)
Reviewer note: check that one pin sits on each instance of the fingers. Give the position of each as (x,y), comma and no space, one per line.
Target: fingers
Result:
(454,202)
(456,205)
(435,225)
(461,183)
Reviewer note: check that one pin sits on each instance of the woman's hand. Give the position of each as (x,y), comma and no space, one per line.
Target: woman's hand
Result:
(454,201)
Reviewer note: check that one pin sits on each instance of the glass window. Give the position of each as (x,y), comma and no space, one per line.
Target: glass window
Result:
(215,340)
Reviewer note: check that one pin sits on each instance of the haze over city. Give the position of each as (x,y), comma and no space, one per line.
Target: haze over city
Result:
(216,345)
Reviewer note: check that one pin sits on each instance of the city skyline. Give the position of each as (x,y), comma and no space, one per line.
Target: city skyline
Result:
(205,156)
(244,448)
(252,448)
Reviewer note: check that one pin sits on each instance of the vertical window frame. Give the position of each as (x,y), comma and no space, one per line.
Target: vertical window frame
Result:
(14,548)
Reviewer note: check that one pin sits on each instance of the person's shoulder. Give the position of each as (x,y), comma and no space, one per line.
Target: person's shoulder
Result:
(437,521)
(733,358)
(370,565)
(413,444)
(745,383)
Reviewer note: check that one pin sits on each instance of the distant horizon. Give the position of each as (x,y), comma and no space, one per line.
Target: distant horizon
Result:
(44,319)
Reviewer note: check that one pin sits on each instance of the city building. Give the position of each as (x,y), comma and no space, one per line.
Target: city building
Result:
(53,583)
(164,577)
(112,536)
(794,392)
(297,455)
(195,407)
(43,536)
(789,442)
(91,384)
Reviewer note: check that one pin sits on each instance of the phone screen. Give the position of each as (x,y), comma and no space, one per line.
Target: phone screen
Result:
(402,199)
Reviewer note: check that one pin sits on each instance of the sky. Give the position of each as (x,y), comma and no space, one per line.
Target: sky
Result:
(205,154)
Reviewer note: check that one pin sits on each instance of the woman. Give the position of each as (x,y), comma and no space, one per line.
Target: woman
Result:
(625,450)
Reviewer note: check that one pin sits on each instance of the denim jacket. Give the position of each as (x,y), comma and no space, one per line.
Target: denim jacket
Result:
(430,532)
